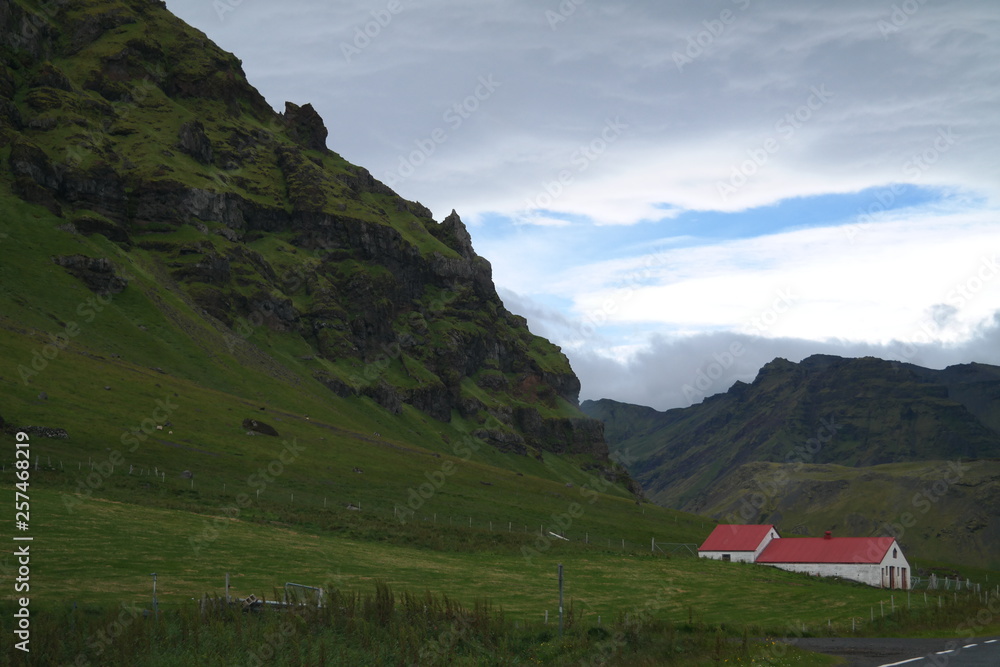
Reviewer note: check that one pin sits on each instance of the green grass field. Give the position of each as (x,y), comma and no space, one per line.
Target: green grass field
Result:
(93,561)
(104,551)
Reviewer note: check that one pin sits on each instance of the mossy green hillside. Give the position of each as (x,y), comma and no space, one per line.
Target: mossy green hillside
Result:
(149,140)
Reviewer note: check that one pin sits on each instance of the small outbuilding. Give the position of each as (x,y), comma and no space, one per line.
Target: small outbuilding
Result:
(876,561)
(739,544)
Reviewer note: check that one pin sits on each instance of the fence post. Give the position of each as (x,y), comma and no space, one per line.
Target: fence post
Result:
(560,600)
(156,614)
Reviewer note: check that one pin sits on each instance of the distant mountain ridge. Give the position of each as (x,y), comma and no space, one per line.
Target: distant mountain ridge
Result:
(805,443)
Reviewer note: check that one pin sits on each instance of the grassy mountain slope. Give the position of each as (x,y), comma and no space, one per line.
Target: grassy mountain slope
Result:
(233,351)
(225,244)
(846,444)
(183,271)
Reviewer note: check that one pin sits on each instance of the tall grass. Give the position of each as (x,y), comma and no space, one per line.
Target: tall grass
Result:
(380,627)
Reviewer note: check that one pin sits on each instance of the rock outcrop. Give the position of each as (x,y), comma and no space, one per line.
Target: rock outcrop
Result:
(248,216)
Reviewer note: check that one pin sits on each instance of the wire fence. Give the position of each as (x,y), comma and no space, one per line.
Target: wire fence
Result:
(93,475)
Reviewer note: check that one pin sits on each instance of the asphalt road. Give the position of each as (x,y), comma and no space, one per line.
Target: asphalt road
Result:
(979,652)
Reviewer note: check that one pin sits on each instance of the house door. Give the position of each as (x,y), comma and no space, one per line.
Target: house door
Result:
(905,584)
(892,577)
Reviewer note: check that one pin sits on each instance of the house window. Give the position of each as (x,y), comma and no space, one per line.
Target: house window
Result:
(893,553)
(726,557)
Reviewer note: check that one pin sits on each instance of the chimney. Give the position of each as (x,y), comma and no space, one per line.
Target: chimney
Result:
(828,535)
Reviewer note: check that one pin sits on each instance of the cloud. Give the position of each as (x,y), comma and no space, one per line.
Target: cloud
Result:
(672,373)
(872,281)
(688,127)
(590,175)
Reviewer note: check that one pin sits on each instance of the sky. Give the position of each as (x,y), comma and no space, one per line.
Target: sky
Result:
(677,193)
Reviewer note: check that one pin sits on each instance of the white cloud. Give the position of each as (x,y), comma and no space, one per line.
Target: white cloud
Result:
(908,98)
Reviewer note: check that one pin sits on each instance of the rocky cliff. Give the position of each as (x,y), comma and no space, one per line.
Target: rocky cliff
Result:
(135,131)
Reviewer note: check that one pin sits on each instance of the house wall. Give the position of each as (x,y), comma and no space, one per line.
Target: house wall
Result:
(734,556)
(866,573)
(742,556)
(901,576)
(878,575)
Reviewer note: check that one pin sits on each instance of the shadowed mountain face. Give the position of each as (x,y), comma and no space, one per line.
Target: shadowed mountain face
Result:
(860,445)
(141,168)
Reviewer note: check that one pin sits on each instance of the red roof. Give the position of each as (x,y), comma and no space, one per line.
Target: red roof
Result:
(734,537)
(822,550)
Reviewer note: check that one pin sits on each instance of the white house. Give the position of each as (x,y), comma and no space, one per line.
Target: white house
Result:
(876,561)
(740,544)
